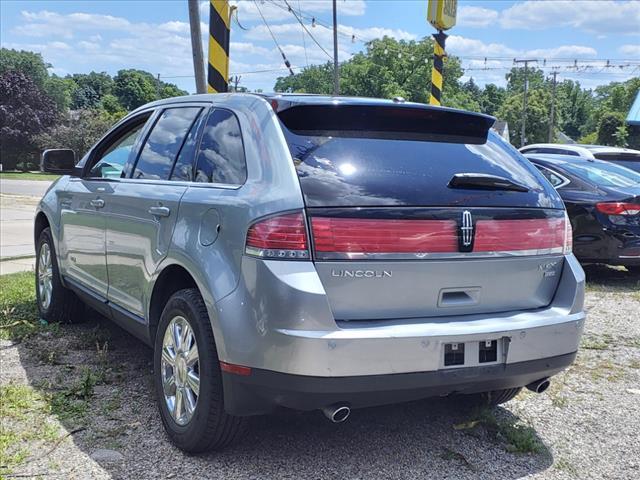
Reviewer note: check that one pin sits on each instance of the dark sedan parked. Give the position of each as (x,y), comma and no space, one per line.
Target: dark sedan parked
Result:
(603,203)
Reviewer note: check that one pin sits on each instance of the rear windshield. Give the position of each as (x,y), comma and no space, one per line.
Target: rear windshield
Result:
(366,171)
(618,157)
(604,174)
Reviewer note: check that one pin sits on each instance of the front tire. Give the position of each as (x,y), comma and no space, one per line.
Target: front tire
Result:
(188,379)
(55,302)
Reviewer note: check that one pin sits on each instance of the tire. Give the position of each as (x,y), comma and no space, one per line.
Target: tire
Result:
(492,398)
(56,303)
(633,269)
(208,426)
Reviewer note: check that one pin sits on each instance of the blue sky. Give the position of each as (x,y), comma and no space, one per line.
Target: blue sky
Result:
(78,37)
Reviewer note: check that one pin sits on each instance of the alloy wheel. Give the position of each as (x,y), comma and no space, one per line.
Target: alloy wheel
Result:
(180,370)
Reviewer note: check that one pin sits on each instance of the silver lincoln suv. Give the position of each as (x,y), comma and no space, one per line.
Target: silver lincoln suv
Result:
(312,252)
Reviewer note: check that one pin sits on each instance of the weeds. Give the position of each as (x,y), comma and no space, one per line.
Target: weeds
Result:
(517,437)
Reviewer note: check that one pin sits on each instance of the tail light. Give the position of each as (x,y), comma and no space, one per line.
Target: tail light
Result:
(568,235)
(279,237)
(351,236)
(537,235)
(618,208)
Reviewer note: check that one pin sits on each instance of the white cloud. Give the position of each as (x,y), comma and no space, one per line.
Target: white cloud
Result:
(630,50)
(471,47)
(278,9)
(564,51)
(477,17)
(594,17)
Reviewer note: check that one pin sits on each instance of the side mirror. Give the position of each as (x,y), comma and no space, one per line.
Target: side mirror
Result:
(58,160)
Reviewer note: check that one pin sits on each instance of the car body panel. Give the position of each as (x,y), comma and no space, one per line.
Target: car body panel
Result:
(596,238)
(280,315)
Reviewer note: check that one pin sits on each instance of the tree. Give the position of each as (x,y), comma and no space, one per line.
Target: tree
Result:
(492,98)
(30,64)
(609,127)
(573,106)
(134,88)
(537,124)
(387,68)
(91,88)
(79,131)
(137,87)
(25,111)
(515,79)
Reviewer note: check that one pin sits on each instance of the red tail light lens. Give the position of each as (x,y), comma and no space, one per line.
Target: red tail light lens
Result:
(618,208)
(529,234)
(281,237)
(369,236)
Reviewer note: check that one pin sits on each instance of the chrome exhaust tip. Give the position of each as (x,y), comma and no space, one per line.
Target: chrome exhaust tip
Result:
(539,386)
(336,413)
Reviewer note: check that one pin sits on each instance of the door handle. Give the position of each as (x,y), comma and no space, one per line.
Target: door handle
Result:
(160,211)
(97,203)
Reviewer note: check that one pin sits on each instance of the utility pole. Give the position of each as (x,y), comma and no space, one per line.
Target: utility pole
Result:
(523,131)
(158,87)
(236,81)
(553,106)
(196,46)
(336,73)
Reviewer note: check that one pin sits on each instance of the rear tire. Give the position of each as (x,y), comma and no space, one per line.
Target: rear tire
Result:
(197,422)
(55,302)
(492,398)
(634,269)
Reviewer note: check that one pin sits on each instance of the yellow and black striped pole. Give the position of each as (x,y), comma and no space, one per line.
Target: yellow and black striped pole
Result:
(436,71)
(219,23)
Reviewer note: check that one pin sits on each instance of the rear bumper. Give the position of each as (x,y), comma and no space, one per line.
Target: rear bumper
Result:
(282,327)
(613,248)
(263,390)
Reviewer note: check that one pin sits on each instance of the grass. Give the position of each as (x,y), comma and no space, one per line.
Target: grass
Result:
(18,311)
(517,437)
(23,411)
(28,176)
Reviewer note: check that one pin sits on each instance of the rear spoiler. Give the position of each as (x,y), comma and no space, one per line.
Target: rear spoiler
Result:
(387,121)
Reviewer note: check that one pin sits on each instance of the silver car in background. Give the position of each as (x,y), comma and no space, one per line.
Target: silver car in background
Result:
(312,252)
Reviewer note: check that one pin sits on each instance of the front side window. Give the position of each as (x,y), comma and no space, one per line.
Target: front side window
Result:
(111,162)
(164,143)
(221,158)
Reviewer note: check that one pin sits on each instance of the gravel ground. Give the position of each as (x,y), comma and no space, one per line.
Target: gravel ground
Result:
(586,425)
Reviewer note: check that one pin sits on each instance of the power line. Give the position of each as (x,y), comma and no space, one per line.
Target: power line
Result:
(286,62)
(304,41)
(305,28)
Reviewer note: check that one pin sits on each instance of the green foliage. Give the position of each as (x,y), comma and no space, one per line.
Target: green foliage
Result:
(134,88)
(492,98)
(608,127)
(387,68)
(515,79)
(29,63)
(537,121)
(79,130)
(25,111)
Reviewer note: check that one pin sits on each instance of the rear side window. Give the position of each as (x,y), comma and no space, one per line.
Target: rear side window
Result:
(605,174)
(164,143)
(221,158)
(361,171)
(554,179)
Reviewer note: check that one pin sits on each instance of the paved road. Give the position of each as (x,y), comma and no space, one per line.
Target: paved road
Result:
(17,205)
(33,188)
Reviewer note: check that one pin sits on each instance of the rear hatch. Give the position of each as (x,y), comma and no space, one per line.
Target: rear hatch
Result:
(421,212)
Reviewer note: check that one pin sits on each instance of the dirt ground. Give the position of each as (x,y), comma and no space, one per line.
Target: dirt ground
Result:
(78,403)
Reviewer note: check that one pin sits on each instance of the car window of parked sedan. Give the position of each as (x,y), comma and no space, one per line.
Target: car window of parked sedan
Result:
(221,158)
(605,174)
(555,180)
(164,143)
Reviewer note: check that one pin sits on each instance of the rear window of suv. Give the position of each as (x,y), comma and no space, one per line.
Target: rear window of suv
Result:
(378,168)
